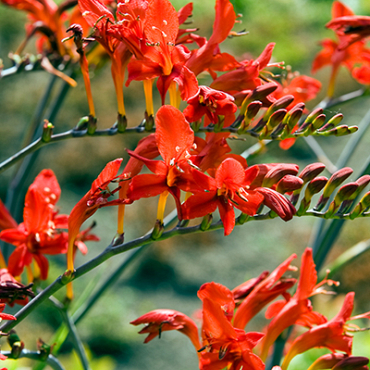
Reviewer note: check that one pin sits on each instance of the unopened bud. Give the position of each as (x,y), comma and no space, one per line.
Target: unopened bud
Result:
(206,222)
(313,115)
(333,122)
(157,230)
(335,180)
(311,171)
(281,103)
(352,363)
(262,91)
(275,119)
(313,187)
(344,193)
(277,172)
(293,116)
(289,183)
(47,131)
(318,121)
(252,109)
(15,343)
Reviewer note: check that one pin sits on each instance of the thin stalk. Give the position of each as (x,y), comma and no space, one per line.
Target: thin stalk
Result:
(78,346)
(33,355)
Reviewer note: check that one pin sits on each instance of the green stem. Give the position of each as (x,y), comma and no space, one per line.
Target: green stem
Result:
(78,346)
(33,355)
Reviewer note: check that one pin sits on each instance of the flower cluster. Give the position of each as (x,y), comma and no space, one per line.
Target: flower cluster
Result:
(224,343)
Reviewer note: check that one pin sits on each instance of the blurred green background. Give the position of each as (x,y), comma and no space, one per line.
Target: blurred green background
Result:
(169,273)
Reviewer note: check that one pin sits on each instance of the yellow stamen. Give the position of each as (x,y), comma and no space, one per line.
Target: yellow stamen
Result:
(148,91)
(36,270)
(175,98)
(29,274)
(161,206)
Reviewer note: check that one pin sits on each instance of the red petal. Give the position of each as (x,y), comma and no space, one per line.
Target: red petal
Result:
(18,259)
(173,134)
(47,184)
(146,186)
(227,215)
(161,22)
(308,276)
(43,265)
(92,10)
(199,205)
(107,175)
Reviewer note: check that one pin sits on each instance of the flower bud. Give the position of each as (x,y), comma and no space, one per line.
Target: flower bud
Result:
(313,187)
(15,343)
(344,193)
(335,180)
(272,122)
(311,171)
(318,121)
(277,172)
(333,122)
(289,183)
(351,363)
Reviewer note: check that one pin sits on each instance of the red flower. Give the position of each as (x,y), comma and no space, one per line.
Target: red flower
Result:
(161,57)
(331,334)
(246,76)
(263,293)
(229,189)
(174,140)
(211,103)
(297,309)
(345,51)
(38,234)
(158,321)
(226,346)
